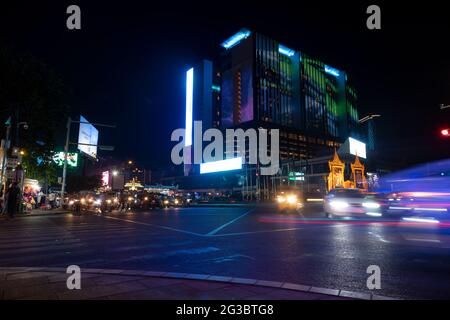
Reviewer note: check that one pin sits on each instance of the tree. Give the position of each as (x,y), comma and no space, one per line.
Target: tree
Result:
(31,92)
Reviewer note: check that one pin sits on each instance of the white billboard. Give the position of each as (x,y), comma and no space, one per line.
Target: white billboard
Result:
(221,165)
(357,148)
(87,138)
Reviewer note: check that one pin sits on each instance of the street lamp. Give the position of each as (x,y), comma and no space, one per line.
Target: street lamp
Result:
(369,117)
(370,129)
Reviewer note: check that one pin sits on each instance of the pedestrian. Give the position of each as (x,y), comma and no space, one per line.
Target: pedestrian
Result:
(51,199)
(13,197)
(42,202)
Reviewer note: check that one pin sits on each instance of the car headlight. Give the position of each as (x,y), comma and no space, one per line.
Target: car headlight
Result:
(108,201)
(338,204)
(292,199)
(281,199)
(176,201)
(116,200)
(71,202)
(166,201)
(371,205)
(97,202)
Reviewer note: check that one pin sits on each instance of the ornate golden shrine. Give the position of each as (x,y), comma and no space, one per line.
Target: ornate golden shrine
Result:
(358,177)
(336,176)
(133,185)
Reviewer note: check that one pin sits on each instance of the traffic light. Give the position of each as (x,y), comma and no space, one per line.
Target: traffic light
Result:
(445,132)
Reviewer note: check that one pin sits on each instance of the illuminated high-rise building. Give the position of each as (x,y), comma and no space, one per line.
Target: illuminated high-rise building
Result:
(257,82)
(265,84)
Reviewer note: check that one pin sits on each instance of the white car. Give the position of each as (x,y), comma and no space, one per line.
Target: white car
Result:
(343,202)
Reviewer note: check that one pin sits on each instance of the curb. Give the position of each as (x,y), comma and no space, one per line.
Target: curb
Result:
(216,278)
(26,215)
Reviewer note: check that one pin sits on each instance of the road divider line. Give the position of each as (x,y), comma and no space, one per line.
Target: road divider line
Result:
(213,232)
(156,226)
(273,230)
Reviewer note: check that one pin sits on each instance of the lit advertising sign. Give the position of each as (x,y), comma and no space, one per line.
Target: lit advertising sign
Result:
(72,159)
(236,38)
(285,50)
(221,165)
(105,178)
(87,138)
(296,176)
(332,71)
(357,148)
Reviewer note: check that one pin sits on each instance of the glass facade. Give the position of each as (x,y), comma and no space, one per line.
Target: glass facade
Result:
(276,81)
(264,83)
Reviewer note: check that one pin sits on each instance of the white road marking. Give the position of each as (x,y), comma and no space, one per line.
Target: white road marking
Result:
(155,225)
(213,232)
(268,231)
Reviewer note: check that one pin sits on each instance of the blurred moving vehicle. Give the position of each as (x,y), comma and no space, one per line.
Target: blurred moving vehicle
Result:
(289,199)
(419,193)
(180,201)
(342,202)
(418,204)
(147,201)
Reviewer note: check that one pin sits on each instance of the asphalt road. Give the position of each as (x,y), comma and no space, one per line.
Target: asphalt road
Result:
(241,242)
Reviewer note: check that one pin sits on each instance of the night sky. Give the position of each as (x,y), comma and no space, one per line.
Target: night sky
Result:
(127,63)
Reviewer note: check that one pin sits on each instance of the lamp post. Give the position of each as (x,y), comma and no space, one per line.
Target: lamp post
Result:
(370,129)
(24,124)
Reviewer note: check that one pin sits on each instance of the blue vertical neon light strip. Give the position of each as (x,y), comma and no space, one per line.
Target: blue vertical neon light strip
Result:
(189,106)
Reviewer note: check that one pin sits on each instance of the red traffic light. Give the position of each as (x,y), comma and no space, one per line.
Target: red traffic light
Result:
(445,132)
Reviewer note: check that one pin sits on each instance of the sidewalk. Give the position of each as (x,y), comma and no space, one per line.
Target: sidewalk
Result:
(104,284)
(38,212)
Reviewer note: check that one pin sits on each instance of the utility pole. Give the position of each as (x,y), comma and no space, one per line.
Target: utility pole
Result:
(66,150)
(5,150)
